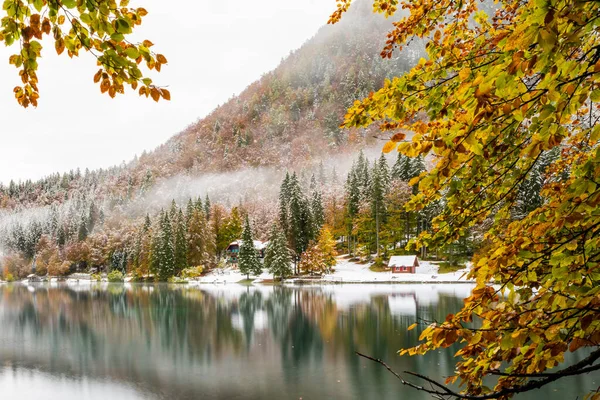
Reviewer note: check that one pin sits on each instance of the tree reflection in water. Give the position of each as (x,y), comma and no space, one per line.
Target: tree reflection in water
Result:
(229,341)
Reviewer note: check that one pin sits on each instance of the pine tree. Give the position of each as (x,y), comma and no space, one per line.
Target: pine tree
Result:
(377,200)
(198,204)
(301,222)
(402,169)
(189,210)
(322,176)
(248,262)
(313,183)
(318,213)
(61,236)
(165,250)
(144,248)
(277,255)
(173,212)
(352,193)
(396,172)
(384,172)
(352,203)
(207,207)
(82,232)
(334,176)
(362,173)
(528,197)
(284,201)
(92,217)
(181,244)
(417,165)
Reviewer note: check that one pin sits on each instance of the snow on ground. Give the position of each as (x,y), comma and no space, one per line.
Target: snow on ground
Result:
(346,271)
(349,271)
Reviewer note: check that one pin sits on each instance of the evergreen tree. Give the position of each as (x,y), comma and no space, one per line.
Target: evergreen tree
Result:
(301,223)
(313,183)
(352,193)
(166,250)
(322,175)
(334,176)
(180,243)
(528,197)
(207,208)
(402,168)
(417,165)
(362,174)
(384,172)
(189,210)
(82,232)
(248,262)
(61,236)
(352,203)
(284,201)
(277,255)
(92,217)
(318,213)
(173,212)
(198,204)
(377,200)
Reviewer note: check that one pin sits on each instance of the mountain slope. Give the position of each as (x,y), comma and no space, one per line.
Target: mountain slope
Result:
(287,118)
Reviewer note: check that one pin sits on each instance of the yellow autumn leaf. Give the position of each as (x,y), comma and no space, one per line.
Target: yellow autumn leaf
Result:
(389,146)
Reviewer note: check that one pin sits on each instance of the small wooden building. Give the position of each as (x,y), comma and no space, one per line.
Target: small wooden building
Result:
(403,264)
(233,250)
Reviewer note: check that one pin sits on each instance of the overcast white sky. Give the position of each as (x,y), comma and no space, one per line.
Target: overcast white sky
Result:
(215,49)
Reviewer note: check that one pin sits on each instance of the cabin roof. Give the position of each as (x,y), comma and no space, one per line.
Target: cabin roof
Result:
(258,245)
(402,261)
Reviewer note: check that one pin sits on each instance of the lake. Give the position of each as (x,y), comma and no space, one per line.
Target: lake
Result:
(223,342)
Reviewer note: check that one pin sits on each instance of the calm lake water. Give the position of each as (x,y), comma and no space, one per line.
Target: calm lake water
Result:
(222,342)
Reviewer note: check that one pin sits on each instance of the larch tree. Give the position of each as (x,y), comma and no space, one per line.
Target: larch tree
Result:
(248,261)
(326,244)
(230,230)
(495,93)
(101,27)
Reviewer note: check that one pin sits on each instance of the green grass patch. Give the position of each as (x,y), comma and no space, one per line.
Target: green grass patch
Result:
(447,267)
(378,268)
(246,281)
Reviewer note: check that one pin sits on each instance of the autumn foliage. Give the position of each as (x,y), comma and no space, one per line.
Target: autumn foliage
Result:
(497,93)
(98,27)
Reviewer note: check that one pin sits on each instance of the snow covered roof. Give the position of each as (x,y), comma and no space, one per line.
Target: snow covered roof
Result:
(403,261)
(258,245)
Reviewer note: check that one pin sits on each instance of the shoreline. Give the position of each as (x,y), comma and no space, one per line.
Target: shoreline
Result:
(346,272)
(244,282)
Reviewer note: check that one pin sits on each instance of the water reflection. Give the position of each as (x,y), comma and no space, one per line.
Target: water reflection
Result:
(217,342)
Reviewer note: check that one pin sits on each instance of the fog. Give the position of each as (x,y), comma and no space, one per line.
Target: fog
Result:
(246,186)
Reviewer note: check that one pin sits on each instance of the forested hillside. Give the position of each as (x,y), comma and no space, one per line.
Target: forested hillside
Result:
(287,120)
(288,117)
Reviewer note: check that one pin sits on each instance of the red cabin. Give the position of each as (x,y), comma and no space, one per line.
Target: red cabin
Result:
(403,264)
